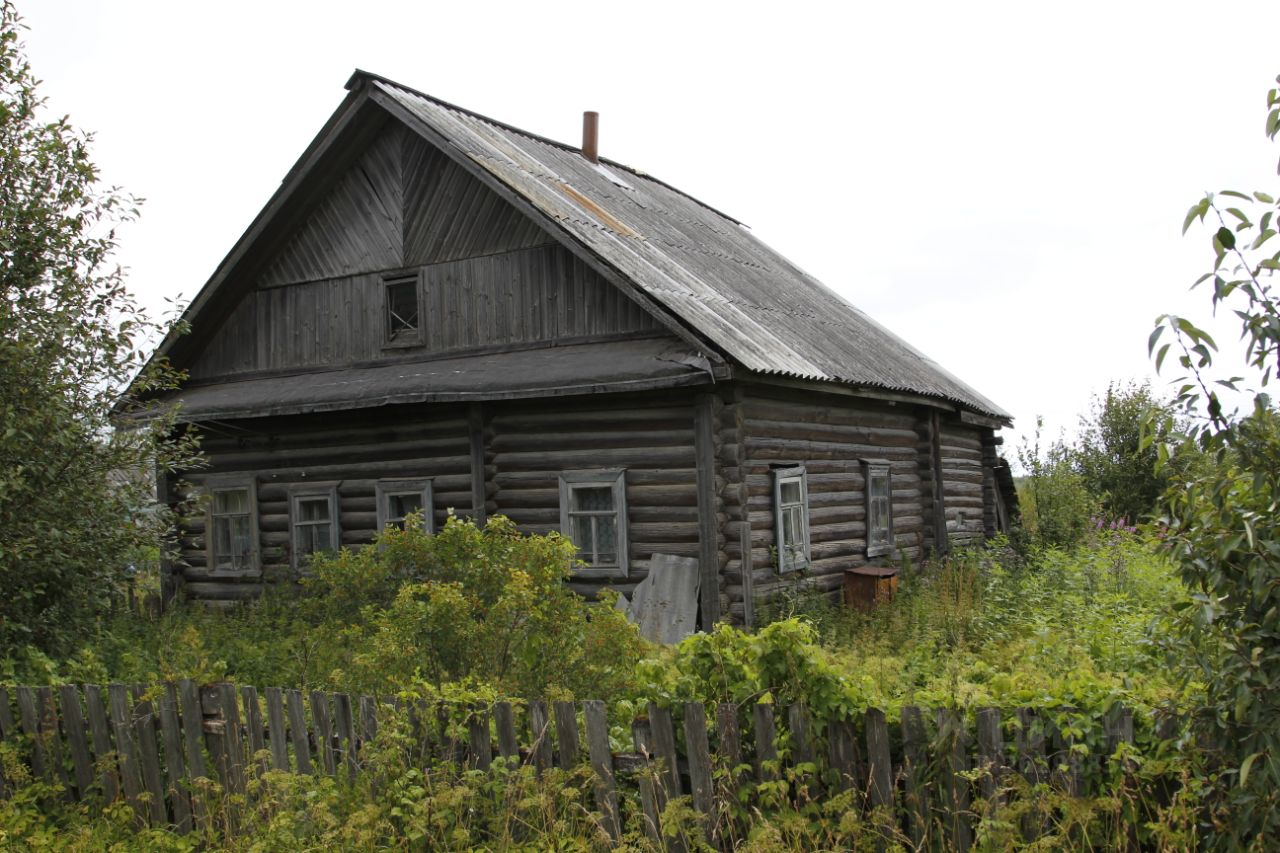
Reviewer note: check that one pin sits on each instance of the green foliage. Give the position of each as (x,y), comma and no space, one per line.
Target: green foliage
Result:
(1113,459)
(1224,522)
(1056,504)
(75,489)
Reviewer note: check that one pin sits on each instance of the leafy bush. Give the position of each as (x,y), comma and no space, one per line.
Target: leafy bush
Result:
(1056,504)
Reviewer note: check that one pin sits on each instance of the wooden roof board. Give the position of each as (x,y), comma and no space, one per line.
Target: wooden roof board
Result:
(705,268)
(627,365)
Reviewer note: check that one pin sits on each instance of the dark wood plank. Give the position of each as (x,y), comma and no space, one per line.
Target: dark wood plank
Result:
(253,728)
(698,753)
(540,725)
(127,749)
(475,431)
(650,804)
(345,723)
(601,757)
(567,734)
(298,732)
(323,723)
(73,725)
(991,752)
(235,742)
(479,744)
(879,762)
(801,735)
(51,734)
(767,769)
(29,714)
(729,737)
(915,772)
(144,727)
(704,451)
(192,728)
(664,747)
(842,754)
(955,788)
(103,747)
(277,734)
(1031,764)
(368,723)
(504,721)
(174,766)
(7,731)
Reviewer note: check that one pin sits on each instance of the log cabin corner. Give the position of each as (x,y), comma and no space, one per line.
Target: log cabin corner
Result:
(440,311)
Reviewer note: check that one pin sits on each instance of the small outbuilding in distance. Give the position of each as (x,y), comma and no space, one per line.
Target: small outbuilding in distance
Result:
(439,311)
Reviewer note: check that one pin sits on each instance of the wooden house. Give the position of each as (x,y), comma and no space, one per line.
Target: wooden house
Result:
(439,310)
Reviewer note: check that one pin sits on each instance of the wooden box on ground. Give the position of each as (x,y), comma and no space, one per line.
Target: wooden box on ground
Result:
(867,586)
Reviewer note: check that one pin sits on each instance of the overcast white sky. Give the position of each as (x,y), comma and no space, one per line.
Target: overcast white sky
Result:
(1001,184)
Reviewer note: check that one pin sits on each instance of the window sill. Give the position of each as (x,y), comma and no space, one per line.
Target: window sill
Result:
(600,573)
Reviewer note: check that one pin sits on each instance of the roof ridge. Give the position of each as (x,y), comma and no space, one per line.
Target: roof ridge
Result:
(360,77)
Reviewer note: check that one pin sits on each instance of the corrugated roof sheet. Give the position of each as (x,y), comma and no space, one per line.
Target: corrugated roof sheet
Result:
(704,267)
(564,370)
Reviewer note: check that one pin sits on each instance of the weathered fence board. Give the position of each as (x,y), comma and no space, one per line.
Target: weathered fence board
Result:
(159,737)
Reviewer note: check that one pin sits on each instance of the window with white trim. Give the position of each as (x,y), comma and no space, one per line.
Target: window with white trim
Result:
(593,515)
(402,315)
(313,521)
(791,518)
(879,493)
(232,526)
(398,499)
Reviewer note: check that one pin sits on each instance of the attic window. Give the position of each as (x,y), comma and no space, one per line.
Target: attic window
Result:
(403,318)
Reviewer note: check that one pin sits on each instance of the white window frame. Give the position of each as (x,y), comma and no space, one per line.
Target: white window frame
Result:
(875,468)
(616,480)
(231,483)
(793,558)
(386,489)
(311,491)
(405,337)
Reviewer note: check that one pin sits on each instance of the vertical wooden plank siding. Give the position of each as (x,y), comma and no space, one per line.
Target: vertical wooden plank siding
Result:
(602,763)
(704,451)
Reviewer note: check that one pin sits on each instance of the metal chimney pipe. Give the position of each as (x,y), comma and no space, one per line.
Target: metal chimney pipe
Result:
(591,135)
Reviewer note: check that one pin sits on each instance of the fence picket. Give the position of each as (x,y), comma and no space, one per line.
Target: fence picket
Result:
(175,767)
(346,731)
(74,727)
(298,732)
(253,728)
(235,779)
(766,743)
(368,721)
(642,740)
(144,727)
(916,799)
(276,734)
(49,732)
(504,721)
(126,749)
(29,714)
(955,788)
(991,750)
(664,746)
(324,731)
(103,748)
(602,763)
(6,731)
(540,727)
(567,733)
(479,745)
(699,756)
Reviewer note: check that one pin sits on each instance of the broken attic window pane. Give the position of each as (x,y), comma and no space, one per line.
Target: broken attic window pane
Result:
(402,309)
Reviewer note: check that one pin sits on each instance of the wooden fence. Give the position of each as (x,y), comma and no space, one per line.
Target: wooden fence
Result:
(149,745)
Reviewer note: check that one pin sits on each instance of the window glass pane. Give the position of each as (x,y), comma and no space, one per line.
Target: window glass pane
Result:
(240,544)
(606,536)
(791,492)
(581,535)
(403,504)
(879,486)
(313,509)
(222,541)
(314,537)
(402,308)
(231,500)
(592,498)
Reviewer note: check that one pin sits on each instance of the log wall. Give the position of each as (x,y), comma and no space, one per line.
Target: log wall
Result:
(528,445)
(353,450)
(830,436)
(964,482)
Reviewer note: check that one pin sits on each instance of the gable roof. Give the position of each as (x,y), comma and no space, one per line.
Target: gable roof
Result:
(718,282)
